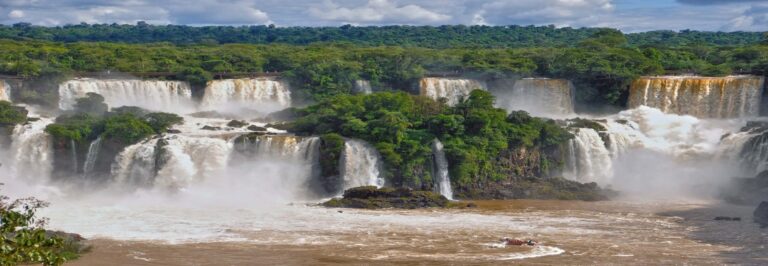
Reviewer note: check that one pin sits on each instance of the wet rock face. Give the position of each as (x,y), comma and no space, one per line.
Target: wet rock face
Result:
(761,214)
(370,197)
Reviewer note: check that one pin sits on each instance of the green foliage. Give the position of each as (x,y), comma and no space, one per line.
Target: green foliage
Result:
(332,146)
(23,239)
(126,128)
(125,125)
(12,115)
(78,127)
(421,36)
(160,122)
(402,127)
(92,104)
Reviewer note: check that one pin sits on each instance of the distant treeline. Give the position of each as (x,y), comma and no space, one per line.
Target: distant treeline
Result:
(601,66)
(454,36)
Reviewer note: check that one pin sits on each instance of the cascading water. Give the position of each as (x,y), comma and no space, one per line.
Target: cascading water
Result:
(90,158)
(451,89)
(440,171)
(31,152)
(260,94)
(589,158)
(538,96)
(704,97)
(363,87)
(73,149)
(136,165)
(361,165)
(5,91)
(593,156)
(169,96)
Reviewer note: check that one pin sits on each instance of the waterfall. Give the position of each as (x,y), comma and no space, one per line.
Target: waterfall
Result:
(289,147)
(73,148)
(31,152)
(363,87)
(591,160)
(261,94)
(440,171)
(593,155)
(705,97)
(747,150)
(5,91)
(90,158)
(136,165)
(451,89)
(168,96)
(539,96)
(360,165)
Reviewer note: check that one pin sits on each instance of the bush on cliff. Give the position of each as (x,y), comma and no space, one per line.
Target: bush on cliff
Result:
(11,115)
(403,126)
(23,240)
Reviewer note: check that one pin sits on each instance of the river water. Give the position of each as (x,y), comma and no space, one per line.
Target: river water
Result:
(569,232)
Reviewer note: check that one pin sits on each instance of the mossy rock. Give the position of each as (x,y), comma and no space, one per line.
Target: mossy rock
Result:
(256,128)
(586,123)
(237,123)
(370,197)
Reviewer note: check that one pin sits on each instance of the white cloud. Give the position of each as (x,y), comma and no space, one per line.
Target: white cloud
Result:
(377,11)
(557,12)
(16,14)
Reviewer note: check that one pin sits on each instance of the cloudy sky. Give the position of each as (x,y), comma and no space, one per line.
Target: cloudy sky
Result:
(627,15)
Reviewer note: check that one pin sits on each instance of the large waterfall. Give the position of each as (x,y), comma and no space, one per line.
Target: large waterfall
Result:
(360,165)
(260,94)
(538,96)
(440,171)
(168,96)
(452,89)
(178,161)
(705,97)
(5,91)
(642,133)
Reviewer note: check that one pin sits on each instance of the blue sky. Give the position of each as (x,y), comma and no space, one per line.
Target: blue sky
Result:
(627,15)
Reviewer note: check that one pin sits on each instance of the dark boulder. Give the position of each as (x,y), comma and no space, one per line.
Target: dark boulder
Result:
(370,197)
(237,123)
(256,128)
(761,214)
(210,128)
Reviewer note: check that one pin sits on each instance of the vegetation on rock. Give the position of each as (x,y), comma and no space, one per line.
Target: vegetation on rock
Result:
(370,197)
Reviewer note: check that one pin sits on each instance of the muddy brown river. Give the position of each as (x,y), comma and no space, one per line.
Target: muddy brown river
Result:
(569,233)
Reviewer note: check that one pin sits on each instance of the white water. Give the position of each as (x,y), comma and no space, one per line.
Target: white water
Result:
(168,96)
(90,158)
(361,165)
(363,87)
(538,96)
(645,144)
(5,91)
(135,165)
(452,89)
(705,97)
(259,94)
(440,172)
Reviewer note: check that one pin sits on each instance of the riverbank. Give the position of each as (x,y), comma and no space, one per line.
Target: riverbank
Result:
(570,232)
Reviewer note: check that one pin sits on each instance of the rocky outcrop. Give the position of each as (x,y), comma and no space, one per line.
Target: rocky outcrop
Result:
(761,214)
(535,188)
(370,197)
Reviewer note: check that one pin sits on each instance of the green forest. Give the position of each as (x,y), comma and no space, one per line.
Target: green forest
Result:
(601,65)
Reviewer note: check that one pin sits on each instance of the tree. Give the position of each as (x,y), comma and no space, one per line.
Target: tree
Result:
(23,239)
(12,115)
(92,104)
